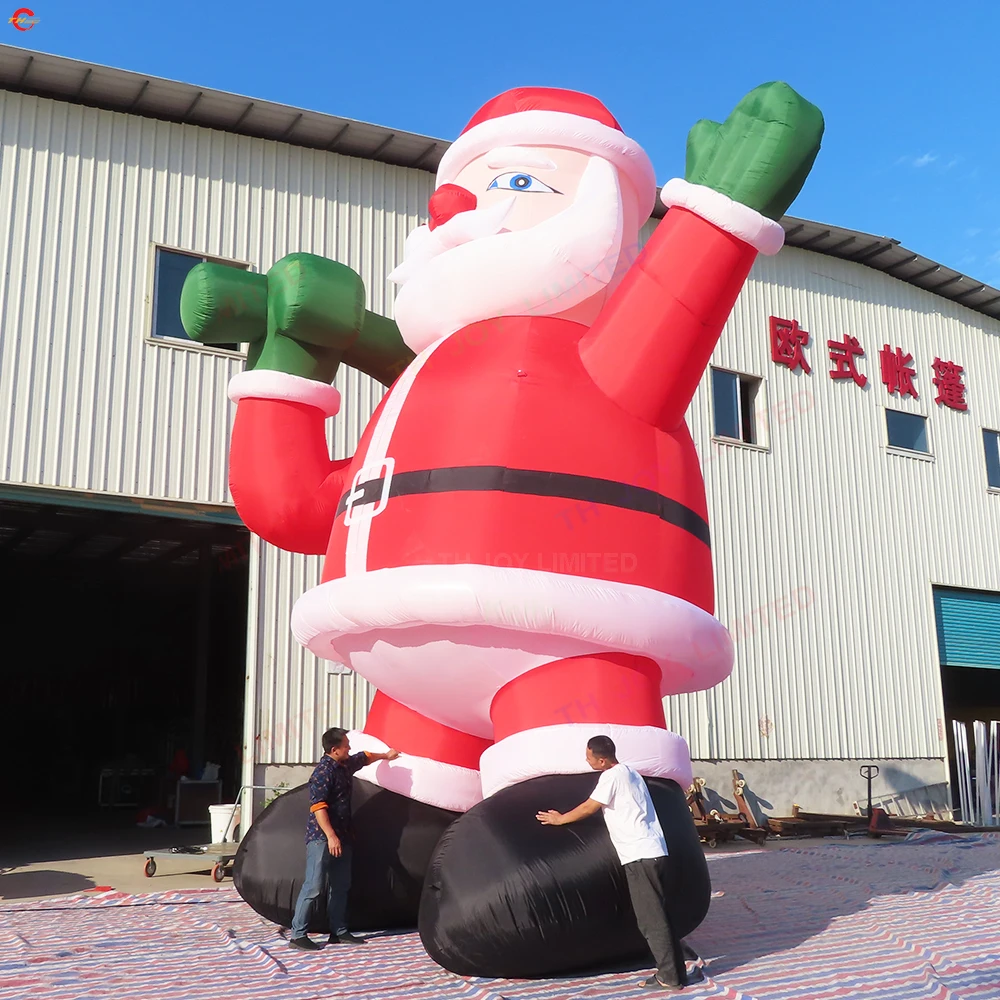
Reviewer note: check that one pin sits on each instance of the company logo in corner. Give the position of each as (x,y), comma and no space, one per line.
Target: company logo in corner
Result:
(23,19)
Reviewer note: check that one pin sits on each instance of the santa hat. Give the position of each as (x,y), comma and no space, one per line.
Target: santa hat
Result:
(545,116)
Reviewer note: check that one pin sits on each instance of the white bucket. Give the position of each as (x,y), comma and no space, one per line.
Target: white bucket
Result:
(224,820)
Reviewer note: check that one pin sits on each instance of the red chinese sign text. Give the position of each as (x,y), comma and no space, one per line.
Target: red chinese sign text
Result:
(950,387)
(897,373)
(787,341)
(843,354)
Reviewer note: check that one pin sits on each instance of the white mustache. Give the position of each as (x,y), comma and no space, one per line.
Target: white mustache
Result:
(423,244)
(539,271)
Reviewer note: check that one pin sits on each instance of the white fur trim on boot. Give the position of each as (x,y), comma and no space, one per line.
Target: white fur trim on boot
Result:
(263,384)
(447,786)
(653,752)
(763,234)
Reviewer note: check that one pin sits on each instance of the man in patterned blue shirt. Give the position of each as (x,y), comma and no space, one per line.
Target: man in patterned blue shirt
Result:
(328,839)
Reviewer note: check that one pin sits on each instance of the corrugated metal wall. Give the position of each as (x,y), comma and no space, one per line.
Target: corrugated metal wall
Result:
(826,544)
(92,404)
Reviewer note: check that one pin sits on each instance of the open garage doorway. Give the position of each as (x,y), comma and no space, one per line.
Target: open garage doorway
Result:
(124,650)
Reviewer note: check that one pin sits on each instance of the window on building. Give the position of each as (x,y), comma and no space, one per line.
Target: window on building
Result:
(171,268)
(907,431)
(733,400)
(991,441)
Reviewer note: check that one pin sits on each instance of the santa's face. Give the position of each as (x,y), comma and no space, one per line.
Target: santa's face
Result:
(545,239)
(545,181)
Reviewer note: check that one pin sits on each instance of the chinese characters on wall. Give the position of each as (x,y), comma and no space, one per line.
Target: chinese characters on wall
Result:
(789,341)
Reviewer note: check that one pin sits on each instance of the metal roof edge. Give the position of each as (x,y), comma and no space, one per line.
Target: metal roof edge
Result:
(89,84)
(61,78)
(888,255)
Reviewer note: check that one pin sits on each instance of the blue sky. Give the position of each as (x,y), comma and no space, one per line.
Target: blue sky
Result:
(909,90)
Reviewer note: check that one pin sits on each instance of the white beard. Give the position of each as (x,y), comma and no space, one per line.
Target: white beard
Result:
(470,269)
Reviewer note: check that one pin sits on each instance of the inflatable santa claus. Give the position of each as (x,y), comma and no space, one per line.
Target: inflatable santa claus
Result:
(517,555)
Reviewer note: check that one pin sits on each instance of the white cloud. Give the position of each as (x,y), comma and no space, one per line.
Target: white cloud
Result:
(922,161)
(972,233)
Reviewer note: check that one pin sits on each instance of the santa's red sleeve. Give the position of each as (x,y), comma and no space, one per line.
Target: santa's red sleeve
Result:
(653,340)
(285,485)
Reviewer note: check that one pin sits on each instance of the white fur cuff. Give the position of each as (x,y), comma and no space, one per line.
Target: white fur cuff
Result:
(263,384)
(562,749)
(447,786)
(764,235)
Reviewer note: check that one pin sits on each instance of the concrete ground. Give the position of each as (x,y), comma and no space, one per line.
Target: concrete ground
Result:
(122,872)
(42,862)
(40,857)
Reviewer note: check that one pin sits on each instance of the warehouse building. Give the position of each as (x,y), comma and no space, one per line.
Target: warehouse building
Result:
(848,429)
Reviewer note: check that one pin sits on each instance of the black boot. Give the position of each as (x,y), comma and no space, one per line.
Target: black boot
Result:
(346,938)
(508,898)
(394,841)
(304,944)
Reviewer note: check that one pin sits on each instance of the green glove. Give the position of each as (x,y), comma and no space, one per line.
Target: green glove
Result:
(762,153)
(305,317)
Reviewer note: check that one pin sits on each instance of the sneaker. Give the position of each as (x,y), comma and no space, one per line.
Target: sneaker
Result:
(690,955)
(346,938)
(304,944)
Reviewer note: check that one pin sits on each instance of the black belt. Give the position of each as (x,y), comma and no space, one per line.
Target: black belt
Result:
(496,478)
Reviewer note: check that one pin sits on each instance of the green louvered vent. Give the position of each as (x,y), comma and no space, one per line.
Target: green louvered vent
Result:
(968,627)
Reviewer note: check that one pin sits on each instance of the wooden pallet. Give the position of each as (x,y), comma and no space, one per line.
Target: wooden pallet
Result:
(716,828)
(810,824)
(754,831)
(794,826)
(718,831)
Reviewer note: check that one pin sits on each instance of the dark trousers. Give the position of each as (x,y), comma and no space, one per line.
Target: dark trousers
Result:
(324,871)
(647,881)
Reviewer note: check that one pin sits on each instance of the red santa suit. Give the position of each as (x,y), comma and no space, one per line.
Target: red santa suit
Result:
(517,555)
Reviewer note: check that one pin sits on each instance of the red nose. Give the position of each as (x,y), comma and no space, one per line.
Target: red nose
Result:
(446,202)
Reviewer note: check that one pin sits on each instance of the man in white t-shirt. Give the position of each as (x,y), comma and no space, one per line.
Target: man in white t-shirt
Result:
(636,834)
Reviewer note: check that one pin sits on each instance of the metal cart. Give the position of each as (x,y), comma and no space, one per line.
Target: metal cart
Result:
(220,855)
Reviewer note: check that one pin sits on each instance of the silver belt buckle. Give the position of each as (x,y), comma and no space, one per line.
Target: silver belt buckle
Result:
(383,470)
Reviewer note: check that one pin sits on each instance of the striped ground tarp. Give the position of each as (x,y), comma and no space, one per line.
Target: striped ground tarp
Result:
(913,920)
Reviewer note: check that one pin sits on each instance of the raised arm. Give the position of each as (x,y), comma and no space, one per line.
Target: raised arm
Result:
(301,320)
(652,342)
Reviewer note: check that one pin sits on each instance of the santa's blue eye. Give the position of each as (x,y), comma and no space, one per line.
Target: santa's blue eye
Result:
(520,182)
